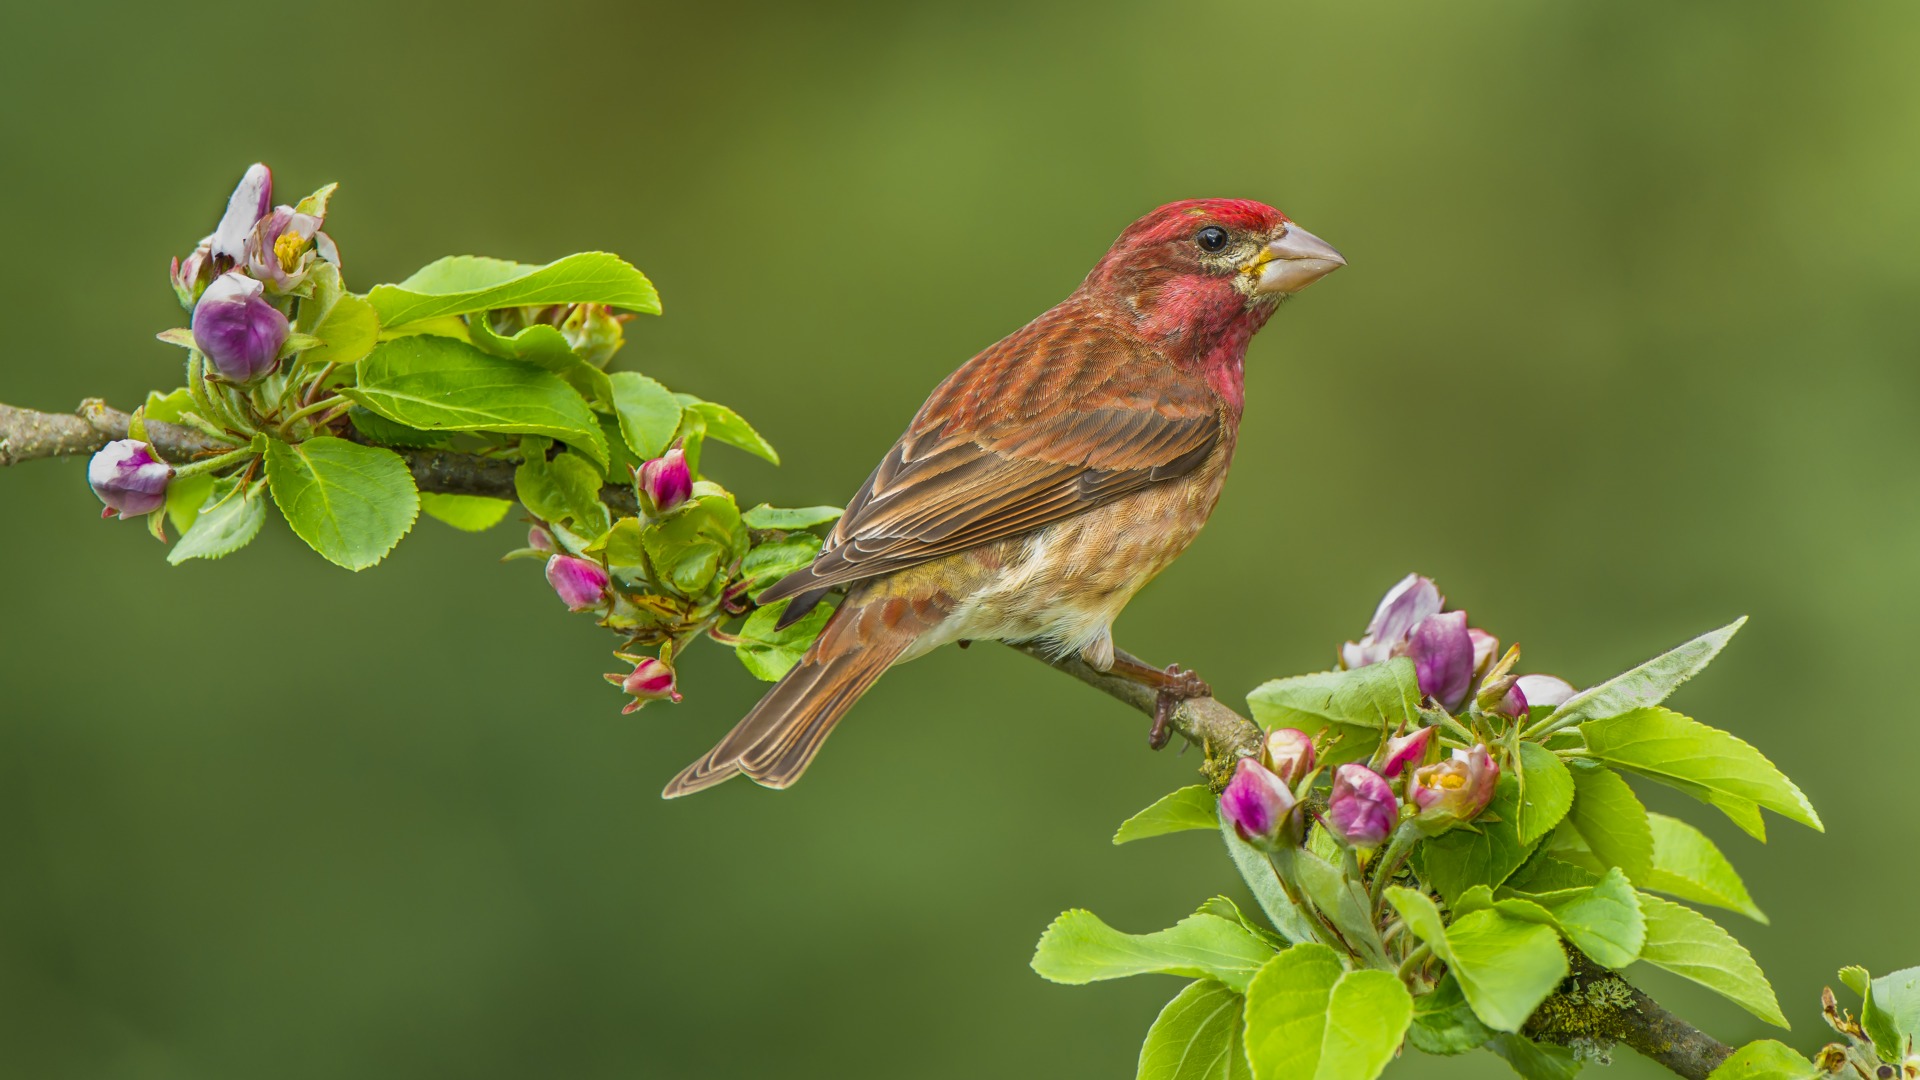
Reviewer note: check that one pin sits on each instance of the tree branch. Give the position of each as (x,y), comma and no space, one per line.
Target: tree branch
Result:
(27,434)
(1594,1009)
(1590,1012)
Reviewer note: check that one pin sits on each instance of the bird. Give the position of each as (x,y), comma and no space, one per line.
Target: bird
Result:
(1043,483)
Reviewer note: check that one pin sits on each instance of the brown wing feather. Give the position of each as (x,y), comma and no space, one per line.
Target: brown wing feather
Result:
(1061,417)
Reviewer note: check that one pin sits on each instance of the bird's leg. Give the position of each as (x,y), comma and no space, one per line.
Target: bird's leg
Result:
(1171,686)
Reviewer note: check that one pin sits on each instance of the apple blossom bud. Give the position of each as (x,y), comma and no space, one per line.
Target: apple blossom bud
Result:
(580,583)
(191,275)
(1406,605)
(240,332)
(1361,810)
(1259,805)
(665,482)
(1454,790)
(650,680)
(1442,655)
(1513,703)
(1544,691)
(245,207)
(1486,648)
(128,478)
(539,539)
(594,332)
(1398,754)
(1288,753)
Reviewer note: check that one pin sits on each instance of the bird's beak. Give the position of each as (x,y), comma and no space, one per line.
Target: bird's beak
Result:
(1294,260)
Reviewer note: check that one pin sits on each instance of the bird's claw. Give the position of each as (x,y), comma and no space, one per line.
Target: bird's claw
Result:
(1180,685)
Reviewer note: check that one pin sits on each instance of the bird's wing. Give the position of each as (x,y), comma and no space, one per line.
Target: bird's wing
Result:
(1057,419)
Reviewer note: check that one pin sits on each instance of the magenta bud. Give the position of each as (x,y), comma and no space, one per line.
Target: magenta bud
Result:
(1361,810)
(665,482)
(240,332)
(245,207)
(1406,605)
(1404,752)
(650,680)
(1288,753)
(1513,703)
(129,478)
(580,583)
(191,275)
(539,539)
(1456,789)
(1443,658)
(1544,691)
(1486,648)
(1259,805)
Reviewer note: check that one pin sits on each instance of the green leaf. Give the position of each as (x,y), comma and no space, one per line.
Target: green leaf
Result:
(462,284)
(725,425)
(1227,909)
(438,384)
(770,562)
(1443,1022)
(350,503)
(1546,792)
(1707,763)
(1309,1019)
(566,488)
(1506,967)
(1536,1061)
(1766,1060)
(1264,882)
(387,433)
(1485,853)
(1694,947)
(1644,686)
(1890,1009)
(347,334)
(649,413)
(1340,898)
(1194,807)
(1078,948)
(1609,817)
(1686,864)
(468,513)
(1373,697)
(228,520)
(804,517)
(768,653)
(688,548)
(1602,920)
(168,407)
(184,499)
(1198,1036)
(546,346)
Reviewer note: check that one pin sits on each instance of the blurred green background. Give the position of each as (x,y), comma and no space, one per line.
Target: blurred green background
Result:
(1627,348)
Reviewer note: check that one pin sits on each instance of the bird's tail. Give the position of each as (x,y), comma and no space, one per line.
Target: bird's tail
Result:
(774,743)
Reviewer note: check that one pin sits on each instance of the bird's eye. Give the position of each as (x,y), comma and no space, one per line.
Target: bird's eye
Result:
(1211,238)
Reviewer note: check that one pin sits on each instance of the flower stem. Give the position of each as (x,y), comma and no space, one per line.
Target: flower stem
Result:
(286,426)
(210,464)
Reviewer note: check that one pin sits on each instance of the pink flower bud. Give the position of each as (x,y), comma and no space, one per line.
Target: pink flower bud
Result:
(1361,809)
(1405,606)
(1288,753)
(129,478)
(1442,655)
(1486,649)
(1402,752)
(1456,789)
(191,275)
(245,207)
(1544,690)
(650,680)
(665,482)
(580,583)
(238,330)
(1259,805)
(539,539)
(1513,703)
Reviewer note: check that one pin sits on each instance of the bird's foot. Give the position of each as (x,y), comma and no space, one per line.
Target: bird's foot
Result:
(1180,685)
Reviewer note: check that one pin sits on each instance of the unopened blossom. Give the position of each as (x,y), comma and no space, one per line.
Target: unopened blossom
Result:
(1486,649)
(1513,703)
(594,332)
(1404,607)
(1289,753)
(1409,622)
(1361,809)
(1442,655)
(129,478)
(650,680)
(1258,804)
(1456,789)
(665,481)
(1544,691)
(539,539)
(580,583)
(1402,752)
(240,333)
(245,207)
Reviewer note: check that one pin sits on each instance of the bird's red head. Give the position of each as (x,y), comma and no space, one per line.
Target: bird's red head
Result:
(1200,276)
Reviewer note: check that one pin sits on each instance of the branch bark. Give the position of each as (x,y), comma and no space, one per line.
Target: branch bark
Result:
(1610,1009)
(27,434)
